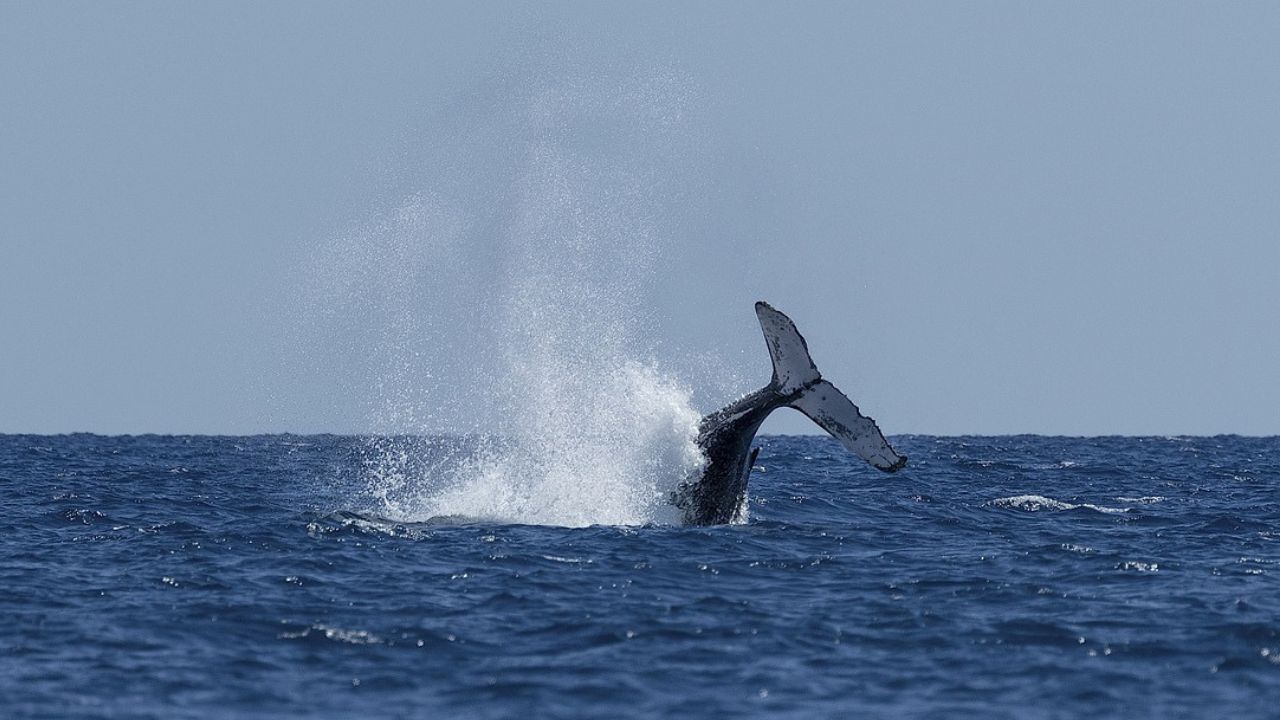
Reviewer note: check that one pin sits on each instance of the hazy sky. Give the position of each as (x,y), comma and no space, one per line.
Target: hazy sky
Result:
(985,217)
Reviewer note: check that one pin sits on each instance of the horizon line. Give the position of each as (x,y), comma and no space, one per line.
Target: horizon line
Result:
(288,433)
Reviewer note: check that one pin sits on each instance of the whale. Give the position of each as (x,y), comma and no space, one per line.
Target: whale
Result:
(719,494)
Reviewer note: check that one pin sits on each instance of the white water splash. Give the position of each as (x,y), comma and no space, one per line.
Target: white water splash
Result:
(588,440)
(611,457)
(507,336)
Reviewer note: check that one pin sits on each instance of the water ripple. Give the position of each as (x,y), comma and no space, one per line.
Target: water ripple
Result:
(994,577)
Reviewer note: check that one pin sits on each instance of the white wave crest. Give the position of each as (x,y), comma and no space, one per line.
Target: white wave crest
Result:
(1037,503)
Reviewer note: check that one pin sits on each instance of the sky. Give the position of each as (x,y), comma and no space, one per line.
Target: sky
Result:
(986,218)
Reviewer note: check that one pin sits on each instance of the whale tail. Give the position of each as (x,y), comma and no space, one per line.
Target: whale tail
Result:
(797,379)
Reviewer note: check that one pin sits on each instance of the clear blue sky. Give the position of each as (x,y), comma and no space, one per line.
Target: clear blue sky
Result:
(986,217)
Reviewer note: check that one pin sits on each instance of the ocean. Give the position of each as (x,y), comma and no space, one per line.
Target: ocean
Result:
(291,576)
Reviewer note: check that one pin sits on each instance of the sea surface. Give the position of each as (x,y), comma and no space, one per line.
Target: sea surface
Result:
(995,577)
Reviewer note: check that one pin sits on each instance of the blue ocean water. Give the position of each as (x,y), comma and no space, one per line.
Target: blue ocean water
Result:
(995,577)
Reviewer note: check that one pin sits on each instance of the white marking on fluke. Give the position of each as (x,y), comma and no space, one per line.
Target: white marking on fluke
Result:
(793,369)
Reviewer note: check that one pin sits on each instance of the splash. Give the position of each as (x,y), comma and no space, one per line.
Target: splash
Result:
(501,310)
(586,434)
(609,454)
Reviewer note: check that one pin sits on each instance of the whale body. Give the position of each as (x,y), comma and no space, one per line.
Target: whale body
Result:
(719,495)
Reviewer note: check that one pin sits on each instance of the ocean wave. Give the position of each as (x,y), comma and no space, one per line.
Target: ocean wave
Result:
(336,634)
(1039,503)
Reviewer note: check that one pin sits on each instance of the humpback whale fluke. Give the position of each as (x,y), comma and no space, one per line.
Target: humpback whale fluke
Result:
(725,436)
